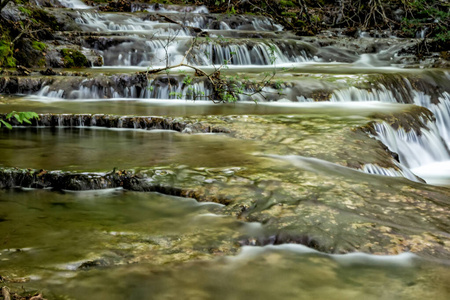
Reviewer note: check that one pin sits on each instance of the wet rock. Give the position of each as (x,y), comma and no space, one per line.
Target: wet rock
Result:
(16,85)
(74,58)
(27,55)
(128,180)
(10,12)
(283,238)
(23,71)
(48,72)
(117,6)
(94,264)
(415,119)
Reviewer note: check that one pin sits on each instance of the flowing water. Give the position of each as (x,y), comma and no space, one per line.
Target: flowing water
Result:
(334,185)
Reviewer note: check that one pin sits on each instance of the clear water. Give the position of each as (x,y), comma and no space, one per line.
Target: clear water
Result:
(86,149)
(116,244)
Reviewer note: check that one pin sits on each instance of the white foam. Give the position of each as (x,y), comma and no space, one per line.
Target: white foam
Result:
(437,173)
(77,4)
(406,259)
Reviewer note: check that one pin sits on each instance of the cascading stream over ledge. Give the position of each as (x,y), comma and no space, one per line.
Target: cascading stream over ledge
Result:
(109,121)
(144,209)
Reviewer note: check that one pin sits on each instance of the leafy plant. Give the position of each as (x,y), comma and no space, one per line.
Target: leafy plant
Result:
(21,117)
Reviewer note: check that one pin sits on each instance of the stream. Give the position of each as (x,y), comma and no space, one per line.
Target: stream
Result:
(333,182)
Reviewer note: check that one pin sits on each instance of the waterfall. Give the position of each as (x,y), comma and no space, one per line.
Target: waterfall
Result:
(103,23)
(415,149)
(195,91)
(401,172)
(156,52)
(248,54)
(440,110)
(263,24)
(135,7)
(110,23)
(46,92)
(77,4)
(158,88)
(381,94)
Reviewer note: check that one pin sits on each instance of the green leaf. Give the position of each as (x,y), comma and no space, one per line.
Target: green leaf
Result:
(7,125)
(18,117)
(8,116)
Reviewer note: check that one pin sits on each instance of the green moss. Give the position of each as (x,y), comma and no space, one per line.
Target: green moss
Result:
(74,58)
(10,62)
(6,54)
(284,3)
(41,16)
(289,14)
(38,46)
(25,10)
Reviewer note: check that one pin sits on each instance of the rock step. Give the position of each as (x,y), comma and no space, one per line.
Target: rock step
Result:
(58,180)
(127,122)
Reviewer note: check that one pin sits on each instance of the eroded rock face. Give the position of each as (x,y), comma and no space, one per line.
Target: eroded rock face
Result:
(17,85)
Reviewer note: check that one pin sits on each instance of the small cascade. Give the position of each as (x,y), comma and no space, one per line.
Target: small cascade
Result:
(264,24)
(414,148)
(157,7)
(142,53)
(131,87)
(120,122)
(76,4)
(197,22)
(104,22)
(441,111)
(381,94)
(124,23)
(46,92)
(159,52)
(166,90)
(401,172)
(216,54)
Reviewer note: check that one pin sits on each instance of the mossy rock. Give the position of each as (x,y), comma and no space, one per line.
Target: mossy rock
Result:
(39,46)
(25,10)
(6,55)
(74,59)
(41,16)
(30,53)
